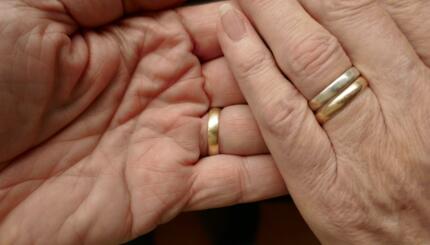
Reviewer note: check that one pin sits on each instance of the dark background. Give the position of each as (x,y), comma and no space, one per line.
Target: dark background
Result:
(269,222)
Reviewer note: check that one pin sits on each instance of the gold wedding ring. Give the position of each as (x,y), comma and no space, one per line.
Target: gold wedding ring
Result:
(334,88)
(340,101)
(213,129)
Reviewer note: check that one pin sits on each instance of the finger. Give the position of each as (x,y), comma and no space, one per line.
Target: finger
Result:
(311,57)
(238,133)
(220,84)
(375,45)
(298,144)
(226,180)
(307,53)
(200,21)
(93,13)
(413,19)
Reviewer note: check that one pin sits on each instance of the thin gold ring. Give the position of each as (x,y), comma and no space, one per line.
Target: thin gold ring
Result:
(334,88)
(339,102)
(213,129)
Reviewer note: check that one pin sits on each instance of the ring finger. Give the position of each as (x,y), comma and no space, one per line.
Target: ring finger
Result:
(306,52)
(238,132)
(312,58)
(220,85)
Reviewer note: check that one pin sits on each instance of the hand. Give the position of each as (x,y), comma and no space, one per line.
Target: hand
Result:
(102,128)
(362,177)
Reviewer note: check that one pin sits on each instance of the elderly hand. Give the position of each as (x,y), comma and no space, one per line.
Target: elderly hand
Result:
(102,121)
(363,176)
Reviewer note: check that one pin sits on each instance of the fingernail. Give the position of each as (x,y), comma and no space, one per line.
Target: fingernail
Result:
(232,22)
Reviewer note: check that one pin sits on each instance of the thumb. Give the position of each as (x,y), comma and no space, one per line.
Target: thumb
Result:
(298,144)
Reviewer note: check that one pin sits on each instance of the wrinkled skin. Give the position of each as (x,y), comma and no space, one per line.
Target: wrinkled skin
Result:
(132,125)
(101,124)
(363,176)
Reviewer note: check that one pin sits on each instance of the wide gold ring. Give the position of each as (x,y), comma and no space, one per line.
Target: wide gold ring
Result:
(340,101)
(334,88)
(213,129)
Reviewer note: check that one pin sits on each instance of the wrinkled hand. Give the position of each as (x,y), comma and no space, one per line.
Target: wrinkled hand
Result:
(103,121)
(363,177)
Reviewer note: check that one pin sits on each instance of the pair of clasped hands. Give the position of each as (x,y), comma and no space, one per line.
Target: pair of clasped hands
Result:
(103,116)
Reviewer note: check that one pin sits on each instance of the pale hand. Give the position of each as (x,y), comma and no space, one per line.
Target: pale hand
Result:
(362,177)
(102,129)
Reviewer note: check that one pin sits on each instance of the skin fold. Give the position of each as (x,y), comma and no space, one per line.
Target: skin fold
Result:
(362,177)
(103,122)
(104,103)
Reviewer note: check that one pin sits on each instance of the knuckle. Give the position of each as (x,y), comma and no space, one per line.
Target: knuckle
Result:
(341,8)
(242,181)
(284,114)
(257,62)
(313,53)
